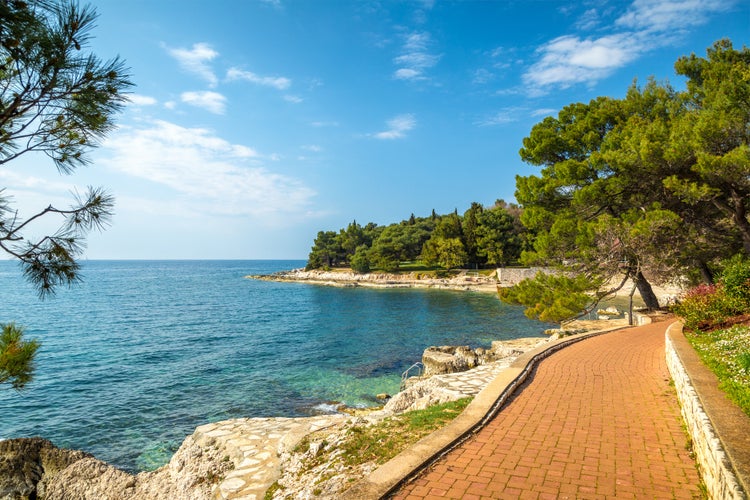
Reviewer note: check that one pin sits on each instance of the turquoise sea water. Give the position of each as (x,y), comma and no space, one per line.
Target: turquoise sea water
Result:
(142,352)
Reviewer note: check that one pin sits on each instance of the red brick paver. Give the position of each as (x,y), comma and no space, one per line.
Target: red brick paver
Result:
(598,419)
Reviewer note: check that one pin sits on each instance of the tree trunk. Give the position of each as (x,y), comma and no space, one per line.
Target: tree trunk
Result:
(735,208)
(740,217)
(740,220)
(647,293)
(630,306)
(706,274)
(745,232)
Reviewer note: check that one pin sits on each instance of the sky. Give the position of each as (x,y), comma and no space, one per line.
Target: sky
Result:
(254,124)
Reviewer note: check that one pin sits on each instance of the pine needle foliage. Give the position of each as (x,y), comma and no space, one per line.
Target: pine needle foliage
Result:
(16,357)
(58,100)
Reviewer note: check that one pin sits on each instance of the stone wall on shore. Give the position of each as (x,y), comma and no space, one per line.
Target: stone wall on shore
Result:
(509,276)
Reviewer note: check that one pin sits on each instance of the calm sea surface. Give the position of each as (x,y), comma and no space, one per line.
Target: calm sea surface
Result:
(142,352)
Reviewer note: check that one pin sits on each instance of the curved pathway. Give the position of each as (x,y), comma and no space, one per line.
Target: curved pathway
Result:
(598,419)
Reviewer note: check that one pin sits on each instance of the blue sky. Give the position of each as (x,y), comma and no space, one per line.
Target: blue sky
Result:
(255,124)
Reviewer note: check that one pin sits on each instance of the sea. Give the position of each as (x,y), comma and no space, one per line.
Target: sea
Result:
(141,352)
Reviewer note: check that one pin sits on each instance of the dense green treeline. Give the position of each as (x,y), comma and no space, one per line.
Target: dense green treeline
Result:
(492,236)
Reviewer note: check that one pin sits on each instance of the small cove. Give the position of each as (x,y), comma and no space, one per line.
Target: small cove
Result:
(142,352)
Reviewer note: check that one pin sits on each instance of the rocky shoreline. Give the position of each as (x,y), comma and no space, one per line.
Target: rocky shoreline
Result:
(242,458)
(464,280)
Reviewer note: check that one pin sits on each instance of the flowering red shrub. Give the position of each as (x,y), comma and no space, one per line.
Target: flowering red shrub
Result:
(705,306)
(701,291)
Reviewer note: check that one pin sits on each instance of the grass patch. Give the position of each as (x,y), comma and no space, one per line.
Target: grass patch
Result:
(407,267)
(272,490)
(384,440)
(727,353)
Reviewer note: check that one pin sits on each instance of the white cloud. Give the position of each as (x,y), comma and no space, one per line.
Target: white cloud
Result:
(141,100)
(314,83)
(313,148)
(31,190)
(667,15)
(499,51)
(543,112)
(206,172)
(415,57)
(397,127)
(417,60)
(293,99)
(322,124)
(278,82)
(206,99)
(196,61)
(645,26)
(16,181)
(407,74)
(589,20)
(482,76)
(502,117)
(569,59)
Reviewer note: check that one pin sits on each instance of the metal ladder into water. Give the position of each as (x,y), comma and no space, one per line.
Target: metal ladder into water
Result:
(420,369)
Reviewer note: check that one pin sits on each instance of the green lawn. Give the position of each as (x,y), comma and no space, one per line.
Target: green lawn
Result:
(727,353)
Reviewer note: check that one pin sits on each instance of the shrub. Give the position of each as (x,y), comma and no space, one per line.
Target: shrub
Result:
(705,306)
(736,280)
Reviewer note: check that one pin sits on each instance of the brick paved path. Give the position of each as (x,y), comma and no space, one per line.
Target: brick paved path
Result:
(599,419)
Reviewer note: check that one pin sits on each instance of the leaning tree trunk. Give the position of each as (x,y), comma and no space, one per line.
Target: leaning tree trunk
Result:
(706,274)
(647,293)
(735,208)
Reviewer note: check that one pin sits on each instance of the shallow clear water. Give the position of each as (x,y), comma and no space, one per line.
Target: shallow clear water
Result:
(142,352)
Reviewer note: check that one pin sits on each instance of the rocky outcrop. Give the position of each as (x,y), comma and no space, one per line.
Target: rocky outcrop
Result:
(438,360)
(448,359)
(90,478)
(515,347)
(224,460)
(35,469)
(28,465)
(423,393)
(443,379)
(318,468)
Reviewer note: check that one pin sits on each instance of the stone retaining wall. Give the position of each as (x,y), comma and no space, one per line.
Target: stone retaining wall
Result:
(714,464)
(509,276)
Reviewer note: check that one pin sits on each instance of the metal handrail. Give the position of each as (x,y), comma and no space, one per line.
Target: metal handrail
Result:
(419,366)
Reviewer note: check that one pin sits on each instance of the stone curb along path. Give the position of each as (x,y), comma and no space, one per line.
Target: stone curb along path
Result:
(407,464)
(720,430)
